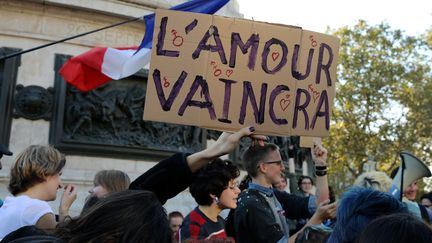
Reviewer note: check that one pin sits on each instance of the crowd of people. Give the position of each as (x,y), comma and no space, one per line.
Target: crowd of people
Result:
(260,208)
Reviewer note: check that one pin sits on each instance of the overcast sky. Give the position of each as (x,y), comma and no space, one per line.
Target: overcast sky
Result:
(412,16)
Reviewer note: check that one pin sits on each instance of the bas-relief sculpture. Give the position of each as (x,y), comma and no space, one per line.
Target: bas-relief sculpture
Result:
(113,115)
(108,121)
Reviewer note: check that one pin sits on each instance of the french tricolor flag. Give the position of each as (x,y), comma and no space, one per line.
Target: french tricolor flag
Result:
(103,64)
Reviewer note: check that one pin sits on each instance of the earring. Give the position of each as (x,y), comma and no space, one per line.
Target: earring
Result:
(216,200)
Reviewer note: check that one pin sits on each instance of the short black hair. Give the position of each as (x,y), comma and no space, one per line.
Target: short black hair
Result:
(301,178)
(213,179)
(396,228)
(427,196)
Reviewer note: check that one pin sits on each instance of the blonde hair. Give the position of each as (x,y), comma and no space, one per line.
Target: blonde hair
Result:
(33,165)
(375,180)
(112,180)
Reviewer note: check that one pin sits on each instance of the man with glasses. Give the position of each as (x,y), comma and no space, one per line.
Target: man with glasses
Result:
(261,210)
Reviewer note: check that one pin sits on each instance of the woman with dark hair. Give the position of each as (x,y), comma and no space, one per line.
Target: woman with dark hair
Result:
(214,189)
(305,184)
(396,228)
(125,216)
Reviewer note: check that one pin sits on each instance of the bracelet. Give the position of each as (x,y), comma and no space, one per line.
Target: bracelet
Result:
(320,167)
(321,172)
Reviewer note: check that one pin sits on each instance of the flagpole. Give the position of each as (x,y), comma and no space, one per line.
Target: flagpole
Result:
(68,38)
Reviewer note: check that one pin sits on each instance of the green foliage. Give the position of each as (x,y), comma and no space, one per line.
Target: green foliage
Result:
(383,100)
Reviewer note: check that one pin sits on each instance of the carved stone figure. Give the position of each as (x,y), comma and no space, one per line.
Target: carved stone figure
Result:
(112,115)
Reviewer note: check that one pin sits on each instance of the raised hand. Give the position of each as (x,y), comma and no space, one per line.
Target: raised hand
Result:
(225,144)
(68,197)
(228,142)
(319,155)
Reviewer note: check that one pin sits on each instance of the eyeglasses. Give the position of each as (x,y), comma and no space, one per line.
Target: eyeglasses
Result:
(278,162)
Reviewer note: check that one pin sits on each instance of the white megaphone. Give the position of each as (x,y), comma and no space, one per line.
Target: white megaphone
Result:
(411,169)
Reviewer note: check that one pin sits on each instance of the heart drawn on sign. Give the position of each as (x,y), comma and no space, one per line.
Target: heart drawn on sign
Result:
(228,72)
(275,55)
(284,103)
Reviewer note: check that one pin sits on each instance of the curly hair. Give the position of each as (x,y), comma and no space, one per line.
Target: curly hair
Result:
(213,179)
(301,178)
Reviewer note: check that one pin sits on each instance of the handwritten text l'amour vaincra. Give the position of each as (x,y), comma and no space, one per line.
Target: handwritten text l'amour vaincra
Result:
(310,104)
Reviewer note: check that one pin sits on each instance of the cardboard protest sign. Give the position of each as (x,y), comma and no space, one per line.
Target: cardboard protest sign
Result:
(224,73)
(309,142)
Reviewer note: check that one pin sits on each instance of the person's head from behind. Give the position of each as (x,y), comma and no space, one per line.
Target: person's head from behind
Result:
(109,181)
(125,216)
(175,219)
(358,207)
(375,180)
(216,184)
(282,184)
(38,166)
(264,161)
(410,192)
(305,184)
(396,228)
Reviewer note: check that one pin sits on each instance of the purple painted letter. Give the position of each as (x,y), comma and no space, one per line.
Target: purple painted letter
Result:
(236,41)
(325,67)
(295,73)
(326,113)
(227,99)
(199,81)
(279,89)
(301,107)
(248,92)
(160,41)
(202,45)
(266,51)
(166,104)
